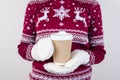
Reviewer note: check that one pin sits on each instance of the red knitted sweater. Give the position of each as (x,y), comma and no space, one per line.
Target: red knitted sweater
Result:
(82,18)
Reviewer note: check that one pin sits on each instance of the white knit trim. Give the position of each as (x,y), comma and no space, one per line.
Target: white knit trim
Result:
(79,36)
(43,77)
(80,75)
(92,58)
(27,35)
(100,36)
(70,74)
(56,30)
(97,40)
(30,39)
(28,52)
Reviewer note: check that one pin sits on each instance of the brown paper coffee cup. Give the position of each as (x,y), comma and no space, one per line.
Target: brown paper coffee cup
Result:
(62,42)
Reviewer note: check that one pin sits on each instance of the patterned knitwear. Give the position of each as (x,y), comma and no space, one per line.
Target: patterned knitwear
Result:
(81,18)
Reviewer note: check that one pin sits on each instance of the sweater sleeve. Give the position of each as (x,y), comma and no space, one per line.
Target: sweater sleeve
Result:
(28,33)
(96,50)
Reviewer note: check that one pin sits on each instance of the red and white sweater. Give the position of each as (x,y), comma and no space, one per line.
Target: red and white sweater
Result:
(81,18)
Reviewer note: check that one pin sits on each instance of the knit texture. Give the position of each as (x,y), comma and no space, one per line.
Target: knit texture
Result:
(81,18)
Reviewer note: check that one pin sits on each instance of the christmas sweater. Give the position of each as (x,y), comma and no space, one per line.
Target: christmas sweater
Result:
(81,18)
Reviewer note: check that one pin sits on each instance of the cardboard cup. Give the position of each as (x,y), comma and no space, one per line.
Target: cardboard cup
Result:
(62,42)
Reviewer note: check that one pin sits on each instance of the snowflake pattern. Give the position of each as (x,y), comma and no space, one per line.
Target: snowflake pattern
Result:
(61,13)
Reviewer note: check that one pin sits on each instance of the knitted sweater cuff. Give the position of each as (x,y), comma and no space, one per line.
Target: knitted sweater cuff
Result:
(92,58)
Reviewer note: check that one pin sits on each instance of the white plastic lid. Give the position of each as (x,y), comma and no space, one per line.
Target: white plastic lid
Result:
(61,35)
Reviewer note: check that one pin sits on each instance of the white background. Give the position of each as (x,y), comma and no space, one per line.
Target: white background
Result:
(12,67)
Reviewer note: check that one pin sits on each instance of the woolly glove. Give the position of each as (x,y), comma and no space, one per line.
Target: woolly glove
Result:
(78,57)
(43,49)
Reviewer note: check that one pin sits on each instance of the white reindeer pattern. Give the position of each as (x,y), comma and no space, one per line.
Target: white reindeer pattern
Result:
(45,16)
(78,17)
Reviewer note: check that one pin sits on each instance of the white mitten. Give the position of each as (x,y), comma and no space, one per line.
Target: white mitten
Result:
(43,49)
(57,69)
(79,57)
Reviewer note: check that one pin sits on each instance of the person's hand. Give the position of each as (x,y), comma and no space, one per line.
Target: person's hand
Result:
(43,49)
(78,57)
(57,69)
